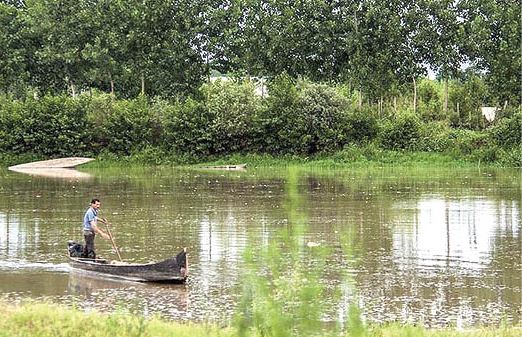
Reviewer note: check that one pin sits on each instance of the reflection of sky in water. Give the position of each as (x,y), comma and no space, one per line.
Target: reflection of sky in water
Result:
(218,242)
(452,232)
(429,255)
(14,240)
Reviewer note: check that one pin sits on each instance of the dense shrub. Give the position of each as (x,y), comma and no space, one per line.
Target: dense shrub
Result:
(507,132)
(320,123)
(362,126)
(485,154)
(12,126)
(222,121)
(187,129)
(306,118)
(297,118)
(469,97)
(508,112)
(349,154)
(122,126)
(61,118)
(465,142)
(510,157)
(430,100)
(433,137)
(276,118)
(233,108)
(51,126)
(98,108)
(402,133)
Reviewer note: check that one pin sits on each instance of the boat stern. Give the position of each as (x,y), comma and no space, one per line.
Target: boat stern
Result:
(182,261)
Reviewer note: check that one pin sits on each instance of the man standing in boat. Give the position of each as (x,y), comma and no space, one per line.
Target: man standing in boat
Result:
(90,228)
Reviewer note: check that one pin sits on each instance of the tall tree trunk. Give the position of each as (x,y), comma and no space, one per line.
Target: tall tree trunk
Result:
(73,88)
(208,71)
(445,107)
(68,84)
(414,95)
(359,94)
(112,84)
(142,83)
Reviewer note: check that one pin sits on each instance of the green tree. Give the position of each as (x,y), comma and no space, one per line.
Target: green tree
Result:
(302,38)
(162,45)
(495,32)
(15,3)
(12,52)
(66,29)
(106,51)
(413,52)
(386,49)
(468,95)
(376,34)
(446,40)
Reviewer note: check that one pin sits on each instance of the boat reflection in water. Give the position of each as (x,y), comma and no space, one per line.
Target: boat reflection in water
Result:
(58,173)
(97,292)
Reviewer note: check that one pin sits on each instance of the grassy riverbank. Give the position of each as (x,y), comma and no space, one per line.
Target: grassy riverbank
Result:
(351,157)
(49,320)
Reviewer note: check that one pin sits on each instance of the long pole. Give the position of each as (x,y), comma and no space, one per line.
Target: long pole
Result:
(112,240)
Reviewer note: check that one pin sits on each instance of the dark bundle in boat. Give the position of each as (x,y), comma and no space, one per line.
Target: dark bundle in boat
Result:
(172,270)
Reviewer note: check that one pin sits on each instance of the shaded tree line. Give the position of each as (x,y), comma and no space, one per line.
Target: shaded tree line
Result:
(169,48)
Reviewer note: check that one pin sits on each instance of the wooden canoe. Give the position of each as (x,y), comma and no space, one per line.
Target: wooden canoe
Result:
(172,270)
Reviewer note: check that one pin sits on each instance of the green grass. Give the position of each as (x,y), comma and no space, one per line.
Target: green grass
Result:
(341,159)
(50,320)
(397,330)
(351,156)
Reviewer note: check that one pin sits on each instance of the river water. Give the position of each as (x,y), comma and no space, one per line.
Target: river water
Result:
(434,246)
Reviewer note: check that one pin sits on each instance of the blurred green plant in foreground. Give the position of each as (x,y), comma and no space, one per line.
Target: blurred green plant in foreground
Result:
(282,289)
